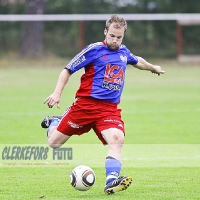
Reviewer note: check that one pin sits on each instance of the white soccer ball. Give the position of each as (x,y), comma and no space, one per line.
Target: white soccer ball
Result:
(82,178)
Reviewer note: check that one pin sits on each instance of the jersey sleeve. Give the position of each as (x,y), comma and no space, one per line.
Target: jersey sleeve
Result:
(131,59)
(84,58)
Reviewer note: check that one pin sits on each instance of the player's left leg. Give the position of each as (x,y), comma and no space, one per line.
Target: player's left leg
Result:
(51,123)
(55,138)
(115,140)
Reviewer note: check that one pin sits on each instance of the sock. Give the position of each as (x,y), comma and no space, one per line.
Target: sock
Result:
(113,168)
(54,122)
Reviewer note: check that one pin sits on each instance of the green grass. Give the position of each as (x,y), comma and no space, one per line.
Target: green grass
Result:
(52,183)
(162,140)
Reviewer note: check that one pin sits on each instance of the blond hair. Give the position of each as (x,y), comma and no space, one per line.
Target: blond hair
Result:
(119,22)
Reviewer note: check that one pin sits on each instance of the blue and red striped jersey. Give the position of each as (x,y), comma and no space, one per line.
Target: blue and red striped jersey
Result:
(104,71)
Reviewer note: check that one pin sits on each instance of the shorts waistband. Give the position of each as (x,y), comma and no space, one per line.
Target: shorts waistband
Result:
(100,101)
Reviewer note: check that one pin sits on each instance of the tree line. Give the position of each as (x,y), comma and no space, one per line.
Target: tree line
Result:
(147,38)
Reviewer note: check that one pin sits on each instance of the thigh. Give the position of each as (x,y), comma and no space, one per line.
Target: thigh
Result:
(76,120)
(109,125)
(74,126)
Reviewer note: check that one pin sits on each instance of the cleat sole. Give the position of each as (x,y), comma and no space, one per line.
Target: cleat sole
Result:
(123,185)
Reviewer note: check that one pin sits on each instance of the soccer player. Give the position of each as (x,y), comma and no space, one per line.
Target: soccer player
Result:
(96,101)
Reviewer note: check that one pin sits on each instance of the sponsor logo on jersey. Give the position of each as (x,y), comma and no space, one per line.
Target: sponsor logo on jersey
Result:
(114,74)
(76,62)
(111,86)
(113,78)
(123,58)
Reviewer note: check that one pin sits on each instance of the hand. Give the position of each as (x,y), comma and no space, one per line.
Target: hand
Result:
(52,100)
(157,70)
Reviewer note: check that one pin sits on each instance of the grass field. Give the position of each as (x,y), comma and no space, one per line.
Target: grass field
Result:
(162,143)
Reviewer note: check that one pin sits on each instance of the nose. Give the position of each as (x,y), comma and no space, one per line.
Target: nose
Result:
(115,39)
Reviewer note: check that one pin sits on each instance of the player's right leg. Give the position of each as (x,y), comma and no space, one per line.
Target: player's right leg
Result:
(115,140)
(110,130)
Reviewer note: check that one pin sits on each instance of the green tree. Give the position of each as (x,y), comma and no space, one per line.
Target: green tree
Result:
(32,33)
(62,38)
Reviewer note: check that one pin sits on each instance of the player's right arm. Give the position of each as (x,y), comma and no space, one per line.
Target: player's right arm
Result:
(55,97)
(79,61)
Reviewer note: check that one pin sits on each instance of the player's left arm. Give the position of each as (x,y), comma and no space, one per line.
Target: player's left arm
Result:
(144,65)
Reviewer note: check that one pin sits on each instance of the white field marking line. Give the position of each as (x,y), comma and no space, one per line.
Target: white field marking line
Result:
(3,113)
(197,157)
(162,111)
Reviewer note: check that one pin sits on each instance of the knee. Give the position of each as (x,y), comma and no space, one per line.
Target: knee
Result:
(53,144)
(117,138)
(113,136)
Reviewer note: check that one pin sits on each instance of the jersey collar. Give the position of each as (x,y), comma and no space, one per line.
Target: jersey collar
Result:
(104,43)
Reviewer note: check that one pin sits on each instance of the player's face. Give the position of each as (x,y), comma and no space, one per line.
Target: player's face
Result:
(114,37)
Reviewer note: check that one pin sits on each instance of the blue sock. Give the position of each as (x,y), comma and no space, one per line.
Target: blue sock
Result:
(113,168)
(54,122)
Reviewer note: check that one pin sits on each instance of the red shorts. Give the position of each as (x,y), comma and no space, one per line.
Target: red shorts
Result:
(87,113)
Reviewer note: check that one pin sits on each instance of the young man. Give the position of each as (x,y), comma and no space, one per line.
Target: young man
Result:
(95,106)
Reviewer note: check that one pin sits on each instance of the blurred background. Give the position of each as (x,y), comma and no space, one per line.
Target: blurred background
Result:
(37,39)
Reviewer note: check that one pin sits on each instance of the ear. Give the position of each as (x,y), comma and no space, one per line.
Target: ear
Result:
(105,31)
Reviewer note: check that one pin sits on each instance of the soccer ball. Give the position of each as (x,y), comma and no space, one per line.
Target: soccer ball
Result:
(82,178)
